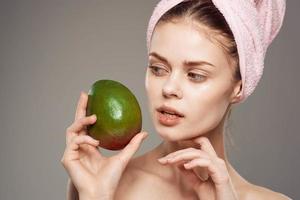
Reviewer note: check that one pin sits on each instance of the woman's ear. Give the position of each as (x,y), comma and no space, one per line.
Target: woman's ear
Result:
(237,92)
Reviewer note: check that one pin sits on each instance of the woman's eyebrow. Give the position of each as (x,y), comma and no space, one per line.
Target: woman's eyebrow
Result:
(159,57)
(185,63)
(196,63)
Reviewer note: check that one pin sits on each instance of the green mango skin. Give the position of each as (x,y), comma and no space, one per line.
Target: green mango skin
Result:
(119,116)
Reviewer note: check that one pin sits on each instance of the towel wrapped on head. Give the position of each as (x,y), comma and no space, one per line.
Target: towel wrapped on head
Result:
(254,24)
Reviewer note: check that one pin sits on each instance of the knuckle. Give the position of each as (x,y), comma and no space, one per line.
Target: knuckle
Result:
(202,154)
(209,161)
(74,139)
(65,165)
(79,138)
(85,137)
(81,121)
(69,129)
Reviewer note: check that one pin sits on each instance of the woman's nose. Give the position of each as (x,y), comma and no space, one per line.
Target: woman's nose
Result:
(172,88)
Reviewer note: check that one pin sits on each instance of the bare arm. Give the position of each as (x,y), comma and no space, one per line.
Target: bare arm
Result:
(72,193)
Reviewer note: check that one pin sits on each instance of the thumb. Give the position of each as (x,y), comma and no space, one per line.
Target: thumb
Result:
(132,146)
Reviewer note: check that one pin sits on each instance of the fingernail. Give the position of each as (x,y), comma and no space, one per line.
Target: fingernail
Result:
(186,165)
(162,160)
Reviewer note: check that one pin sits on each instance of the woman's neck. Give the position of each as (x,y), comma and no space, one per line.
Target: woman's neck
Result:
(173,175)
(216,138)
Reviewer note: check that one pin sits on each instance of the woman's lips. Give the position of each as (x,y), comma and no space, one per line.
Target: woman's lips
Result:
(170,110)
(168,119)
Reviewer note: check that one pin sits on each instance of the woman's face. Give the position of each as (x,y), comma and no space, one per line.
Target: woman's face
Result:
(189,73)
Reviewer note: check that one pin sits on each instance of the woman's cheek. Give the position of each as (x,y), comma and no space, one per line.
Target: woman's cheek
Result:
(205,116)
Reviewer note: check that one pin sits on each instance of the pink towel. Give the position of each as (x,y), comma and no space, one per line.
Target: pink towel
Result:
(254,24)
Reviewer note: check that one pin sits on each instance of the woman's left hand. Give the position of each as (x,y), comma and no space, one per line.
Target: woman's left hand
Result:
(206,172)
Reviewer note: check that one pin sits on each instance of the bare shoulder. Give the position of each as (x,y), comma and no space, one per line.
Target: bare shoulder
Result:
(262,193)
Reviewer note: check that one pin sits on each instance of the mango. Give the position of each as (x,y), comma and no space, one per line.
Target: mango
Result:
(118,112)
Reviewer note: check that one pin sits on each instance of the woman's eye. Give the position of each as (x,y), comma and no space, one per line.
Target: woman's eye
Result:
(196,77)
(157,70)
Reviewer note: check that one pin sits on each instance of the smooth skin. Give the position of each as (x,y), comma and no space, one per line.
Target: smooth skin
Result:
(190,163)
(93,175)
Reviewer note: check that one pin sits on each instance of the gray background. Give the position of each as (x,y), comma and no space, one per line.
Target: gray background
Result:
(51,50)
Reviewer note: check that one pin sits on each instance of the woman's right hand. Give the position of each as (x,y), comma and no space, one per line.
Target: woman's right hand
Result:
(94,175)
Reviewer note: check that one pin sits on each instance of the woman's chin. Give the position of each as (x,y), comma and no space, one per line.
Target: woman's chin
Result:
(177,136)
(171,136)
(168,136)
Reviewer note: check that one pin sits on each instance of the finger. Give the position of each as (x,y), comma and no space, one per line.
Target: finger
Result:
(70,163)
(212,169)
(184,156)
(176,153)
(206,146)
(82,139)
(201,173)
(199,162)
(79,124)
(77,128)
(69,136)
(81,106)
(132,146)
(171,155)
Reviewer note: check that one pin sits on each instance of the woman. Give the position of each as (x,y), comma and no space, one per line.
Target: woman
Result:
(202,60)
